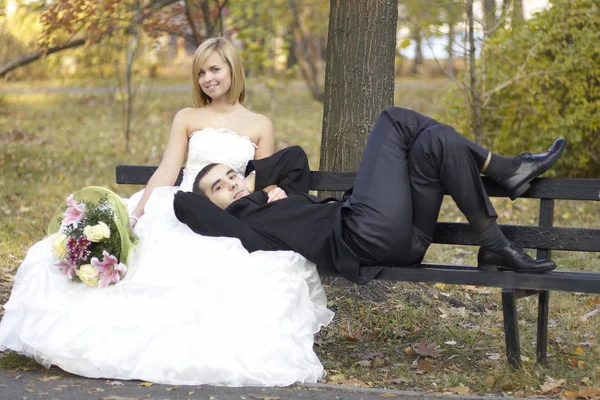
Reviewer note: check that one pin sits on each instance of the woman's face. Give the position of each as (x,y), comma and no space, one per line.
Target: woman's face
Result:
(215,78)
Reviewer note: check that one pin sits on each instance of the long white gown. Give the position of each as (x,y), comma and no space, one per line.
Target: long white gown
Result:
(191,309)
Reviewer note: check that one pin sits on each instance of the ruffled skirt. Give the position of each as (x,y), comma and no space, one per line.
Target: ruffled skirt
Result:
(191,310)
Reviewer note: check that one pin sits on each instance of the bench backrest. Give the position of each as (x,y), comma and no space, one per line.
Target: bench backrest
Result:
(544,236)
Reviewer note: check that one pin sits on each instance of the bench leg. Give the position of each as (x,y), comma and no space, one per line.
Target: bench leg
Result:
(511,328)
(542,330)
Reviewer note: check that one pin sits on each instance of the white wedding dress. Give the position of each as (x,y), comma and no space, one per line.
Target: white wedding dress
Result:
(191,309)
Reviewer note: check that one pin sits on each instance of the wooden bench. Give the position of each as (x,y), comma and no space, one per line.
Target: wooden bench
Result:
(543,237)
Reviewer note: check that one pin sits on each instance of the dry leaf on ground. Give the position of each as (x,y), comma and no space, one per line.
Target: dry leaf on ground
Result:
(550,384)
(591,313)
(458,390)
(428,349)
(47,378)
(146,384)
(490,381)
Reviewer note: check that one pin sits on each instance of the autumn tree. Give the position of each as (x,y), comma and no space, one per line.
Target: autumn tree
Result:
(541,82)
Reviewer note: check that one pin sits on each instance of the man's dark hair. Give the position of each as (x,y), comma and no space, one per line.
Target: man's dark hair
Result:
(196,189)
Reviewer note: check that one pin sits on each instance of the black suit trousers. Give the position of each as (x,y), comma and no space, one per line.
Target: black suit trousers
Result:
(408,163)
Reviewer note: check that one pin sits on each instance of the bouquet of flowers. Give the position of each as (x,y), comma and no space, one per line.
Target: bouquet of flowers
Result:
(91,237)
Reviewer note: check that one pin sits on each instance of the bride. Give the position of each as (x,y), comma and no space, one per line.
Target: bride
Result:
(191,309)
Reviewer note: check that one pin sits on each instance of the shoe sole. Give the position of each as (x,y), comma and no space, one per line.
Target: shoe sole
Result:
(496,268)
(526,185)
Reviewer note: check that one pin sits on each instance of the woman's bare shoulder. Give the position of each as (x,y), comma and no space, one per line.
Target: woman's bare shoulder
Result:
(260,121)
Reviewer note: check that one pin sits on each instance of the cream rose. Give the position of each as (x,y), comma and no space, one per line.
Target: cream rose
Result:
(59,245)
(88,275)
(97,232)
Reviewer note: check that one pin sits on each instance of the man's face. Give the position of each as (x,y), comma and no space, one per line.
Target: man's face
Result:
(223,186)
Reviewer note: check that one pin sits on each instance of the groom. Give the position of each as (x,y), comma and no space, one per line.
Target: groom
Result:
(387,218)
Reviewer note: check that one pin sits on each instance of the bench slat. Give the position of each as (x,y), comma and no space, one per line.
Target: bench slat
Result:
(570,281)
(541,188)
(532,237)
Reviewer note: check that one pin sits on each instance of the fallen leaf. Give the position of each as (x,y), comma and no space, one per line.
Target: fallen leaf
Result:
(450,342)
(574,363)
(550,384)
(570,394)
(458,390)
(490,381)
(592,302)
(493,356)
(579,351)
(424,366)
(47,378)
(146,384)
(591,313)
(409,351)
(115,383)
(589,393)
(428,349)
(173,388)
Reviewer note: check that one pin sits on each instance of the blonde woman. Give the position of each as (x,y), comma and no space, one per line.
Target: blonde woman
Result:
(191,309)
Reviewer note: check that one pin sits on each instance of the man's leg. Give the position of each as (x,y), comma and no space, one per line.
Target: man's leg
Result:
(378,215)
(385,222)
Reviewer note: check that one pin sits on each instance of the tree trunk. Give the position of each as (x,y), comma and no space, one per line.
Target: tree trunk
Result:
(450,50)
(359,77)
(475,100)
(417,38)
(490,20)
(308,66)
(517,14)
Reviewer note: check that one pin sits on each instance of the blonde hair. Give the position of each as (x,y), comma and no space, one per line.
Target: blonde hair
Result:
(237,91)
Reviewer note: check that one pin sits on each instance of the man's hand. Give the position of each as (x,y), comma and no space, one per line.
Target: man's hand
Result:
(276,194)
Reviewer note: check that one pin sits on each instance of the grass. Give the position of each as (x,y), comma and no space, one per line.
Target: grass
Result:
(53,144)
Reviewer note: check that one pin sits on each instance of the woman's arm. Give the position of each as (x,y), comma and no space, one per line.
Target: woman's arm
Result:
(266,144)
(167,172)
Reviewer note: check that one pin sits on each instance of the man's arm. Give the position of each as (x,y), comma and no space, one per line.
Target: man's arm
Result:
(205,218)
(288,169)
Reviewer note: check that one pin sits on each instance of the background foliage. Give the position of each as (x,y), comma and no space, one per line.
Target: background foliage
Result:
(541,80)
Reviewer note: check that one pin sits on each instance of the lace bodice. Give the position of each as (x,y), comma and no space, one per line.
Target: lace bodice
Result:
(211,145)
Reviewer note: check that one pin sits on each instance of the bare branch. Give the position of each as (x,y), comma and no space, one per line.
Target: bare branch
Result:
(29,58)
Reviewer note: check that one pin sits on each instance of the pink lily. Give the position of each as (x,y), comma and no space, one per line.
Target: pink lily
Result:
(110,269)
(74,213)
(67,267)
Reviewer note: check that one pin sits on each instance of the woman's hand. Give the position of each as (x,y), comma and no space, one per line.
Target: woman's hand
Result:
(276,194)
(133,221)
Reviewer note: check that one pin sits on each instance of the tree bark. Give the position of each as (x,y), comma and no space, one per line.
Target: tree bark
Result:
(490,20)
(359,77)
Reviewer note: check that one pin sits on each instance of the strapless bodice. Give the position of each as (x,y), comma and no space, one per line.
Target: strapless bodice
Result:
(211,145)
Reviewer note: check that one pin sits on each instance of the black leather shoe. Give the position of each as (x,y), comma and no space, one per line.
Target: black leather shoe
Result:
(532,165)
(511,258)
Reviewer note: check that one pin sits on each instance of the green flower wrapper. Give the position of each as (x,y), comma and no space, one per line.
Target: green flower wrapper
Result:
(93,194)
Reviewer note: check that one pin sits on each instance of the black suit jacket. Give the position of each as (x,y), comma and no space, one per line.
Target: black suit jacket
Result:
(303,223)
